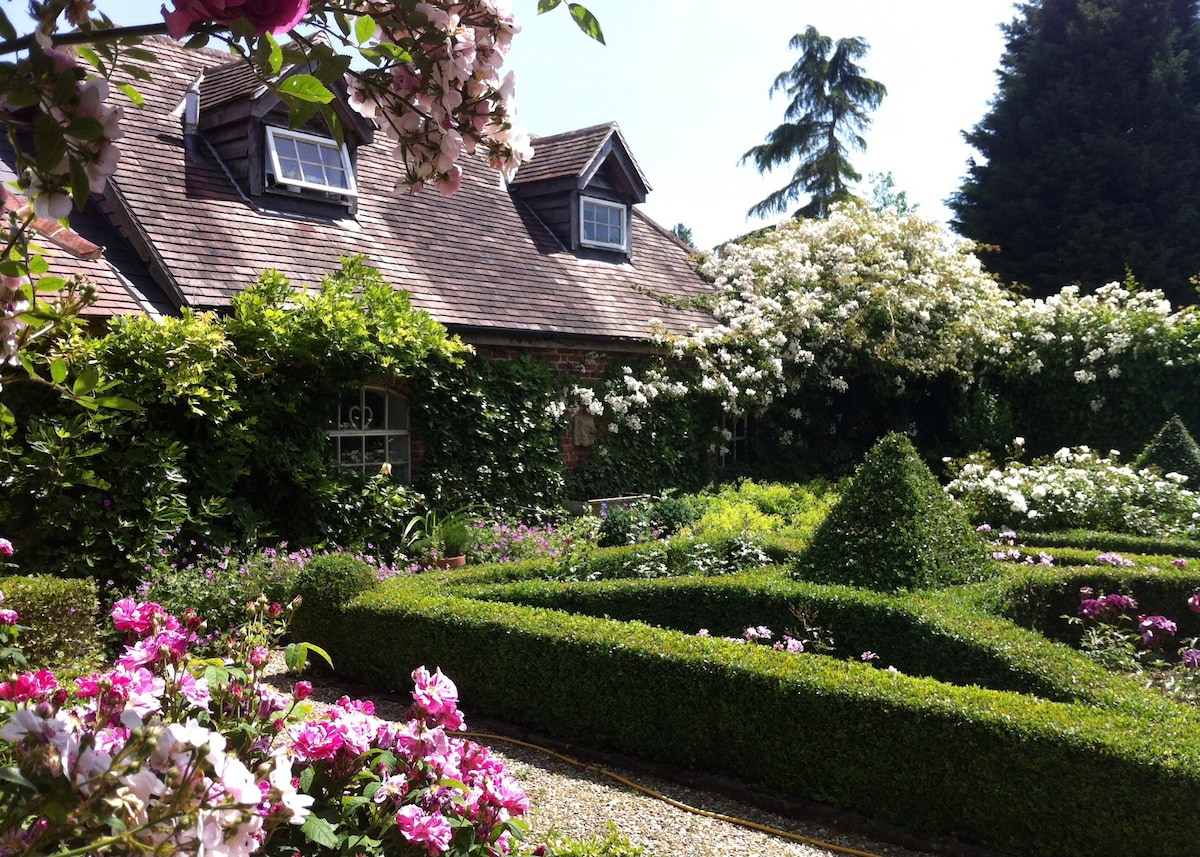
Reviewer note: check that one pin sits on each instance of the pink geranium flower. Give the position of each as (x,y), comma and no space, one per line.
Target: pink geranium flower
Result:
(267,16)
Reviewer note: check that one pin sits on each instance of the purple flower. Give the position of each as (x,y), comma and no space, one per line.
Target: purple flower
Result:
(1194,602)
(869,656)
(1155,629)
(1179,563)
(6,548)
(8,617)
(1113,559)
(1191,659)
(1090,608)
(1118,603)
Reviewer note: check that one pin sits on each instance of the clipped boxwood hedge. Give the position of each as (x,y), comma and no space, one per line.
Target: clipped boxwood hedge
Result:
(61,614)
(1002,769)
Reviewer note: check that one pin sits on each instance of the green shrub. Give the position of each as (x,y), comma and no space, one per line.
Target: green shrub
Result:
(894,528)
(325,585)
(62,615)
(1004,770)
(1173,450)
(614,844)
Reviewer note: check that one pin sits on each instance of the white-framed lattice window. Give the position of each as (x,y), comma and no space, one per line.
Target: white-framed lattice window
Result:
(369,430)
(738,435)
(307,162)
(601,224)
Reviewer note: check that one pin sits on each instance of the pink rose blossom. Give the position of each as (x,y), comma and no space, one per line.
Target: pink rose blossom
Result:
(9,617)
(431,832)
(29,686)
(267,16)
(303,690)
(6,548)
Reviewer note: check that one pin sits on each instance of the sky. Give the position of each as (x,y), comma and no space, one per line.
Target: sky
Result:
(688,83)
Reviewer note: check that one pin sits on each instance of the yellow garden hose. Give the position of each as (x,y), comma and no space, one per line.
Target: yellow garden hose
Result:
(795,837)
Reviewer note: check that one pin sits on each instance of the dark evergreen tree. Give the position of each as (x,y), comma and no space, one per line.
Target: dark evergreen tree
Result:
(1090,153)
(830,100)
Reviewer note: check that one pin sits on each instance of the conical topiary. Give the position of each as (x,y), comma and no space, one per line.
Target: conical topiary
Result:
(1173,450)
(894,528)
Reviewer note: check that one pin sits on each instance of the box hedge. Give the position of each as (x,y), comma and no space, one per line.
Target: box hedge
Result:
(62,615)
(1006,770)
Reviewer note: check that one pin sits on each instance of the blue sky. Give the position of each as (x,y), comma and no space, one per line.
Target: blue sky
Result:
(688,81)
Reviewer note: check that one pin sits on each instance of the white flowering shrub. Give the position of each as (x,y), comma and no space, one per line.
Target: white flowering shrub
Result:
(1077,488)
(857,298)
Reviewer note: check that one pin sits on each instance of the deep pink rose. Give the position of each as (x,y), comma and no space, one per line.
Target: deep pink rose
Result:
(267,16)
(6,548)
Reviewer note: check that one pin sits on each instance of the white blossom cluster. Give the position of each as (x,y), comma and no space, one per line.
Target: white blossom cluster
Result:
(621,399)
(1087,337)
(1078,488)
(814,302)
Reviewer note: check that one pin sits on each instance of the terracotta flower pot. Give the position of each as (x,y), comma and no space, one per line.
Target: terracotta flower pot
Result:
(450,561)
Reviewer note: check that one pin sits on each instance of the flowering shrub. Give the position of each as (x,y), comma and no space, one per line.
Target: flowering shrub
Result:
(1121,638)
(1077,489)
(503,541)
(166,751)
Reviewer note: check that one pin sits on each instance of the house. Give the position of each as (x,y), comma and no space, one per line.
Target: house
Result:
(213,188)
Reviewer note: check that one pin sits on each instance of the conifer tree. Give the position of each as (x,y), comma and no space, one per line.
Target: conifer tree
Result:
(1089,160)
(828,108)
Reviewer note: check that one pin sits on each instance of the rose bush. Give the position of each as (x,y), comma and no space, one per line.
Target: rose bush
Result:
(169,751)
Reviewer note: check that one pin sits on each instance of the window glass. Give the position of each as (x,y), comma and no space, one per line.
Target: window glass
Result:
(307,162)
(369,430)
(602,223)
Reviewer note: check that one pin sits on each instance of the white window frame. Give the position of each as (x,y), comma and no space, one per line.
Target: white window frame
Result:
(604,203)
(343,436)
(324,143)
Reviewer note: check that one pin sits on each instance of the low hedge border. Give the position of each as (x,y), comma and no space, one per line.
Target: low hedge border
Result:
(1102,541)
(61,614)
(1001,769)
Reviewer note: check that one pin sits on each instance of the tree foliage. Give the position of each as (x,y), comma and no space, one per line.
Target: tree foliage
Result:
(829,99)
(1090,153)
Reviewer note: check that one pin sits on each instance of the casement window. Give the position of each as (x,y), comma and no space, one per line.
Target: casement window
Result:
(307,162)
(601,224)
(370,430)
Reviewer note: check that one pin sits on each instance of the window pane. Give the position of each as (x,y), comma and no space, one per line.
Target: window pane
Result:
(336,178)
(285,147)
(348,412)
(376,447)
(309,152)
(313,173)
(290,169)
(398,449)
(397,414)
(589,231)
(351,451)
(374,409)
(331,157)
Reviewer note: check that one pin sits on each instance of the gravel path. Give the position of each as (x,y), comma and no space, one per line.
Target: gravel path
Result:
(579,800)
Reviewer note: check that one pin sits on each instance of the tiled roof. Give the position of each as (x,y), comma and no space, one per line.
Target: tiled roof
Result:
(478,259)
(229,82)
(91,248)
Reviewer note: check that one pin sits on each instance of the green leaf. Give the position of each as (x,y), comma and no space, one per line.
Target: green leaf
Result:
(89,56)
(51,285)
(49,142)
(81,185)
(586,21)
(295,657)
(118,403)
(275,56)
(141,54)
(28,365)
(315,649)
(305,87)
(58,370)
(319,831)
(132,94)
(87,380)
(7,417)
(364,29)
(545,6)
(7,32)
(13,775)
(197,41)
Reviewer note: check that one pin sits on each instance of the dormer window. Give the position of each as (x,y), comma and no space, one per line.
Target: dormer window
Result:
(601,223)
(306,162)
